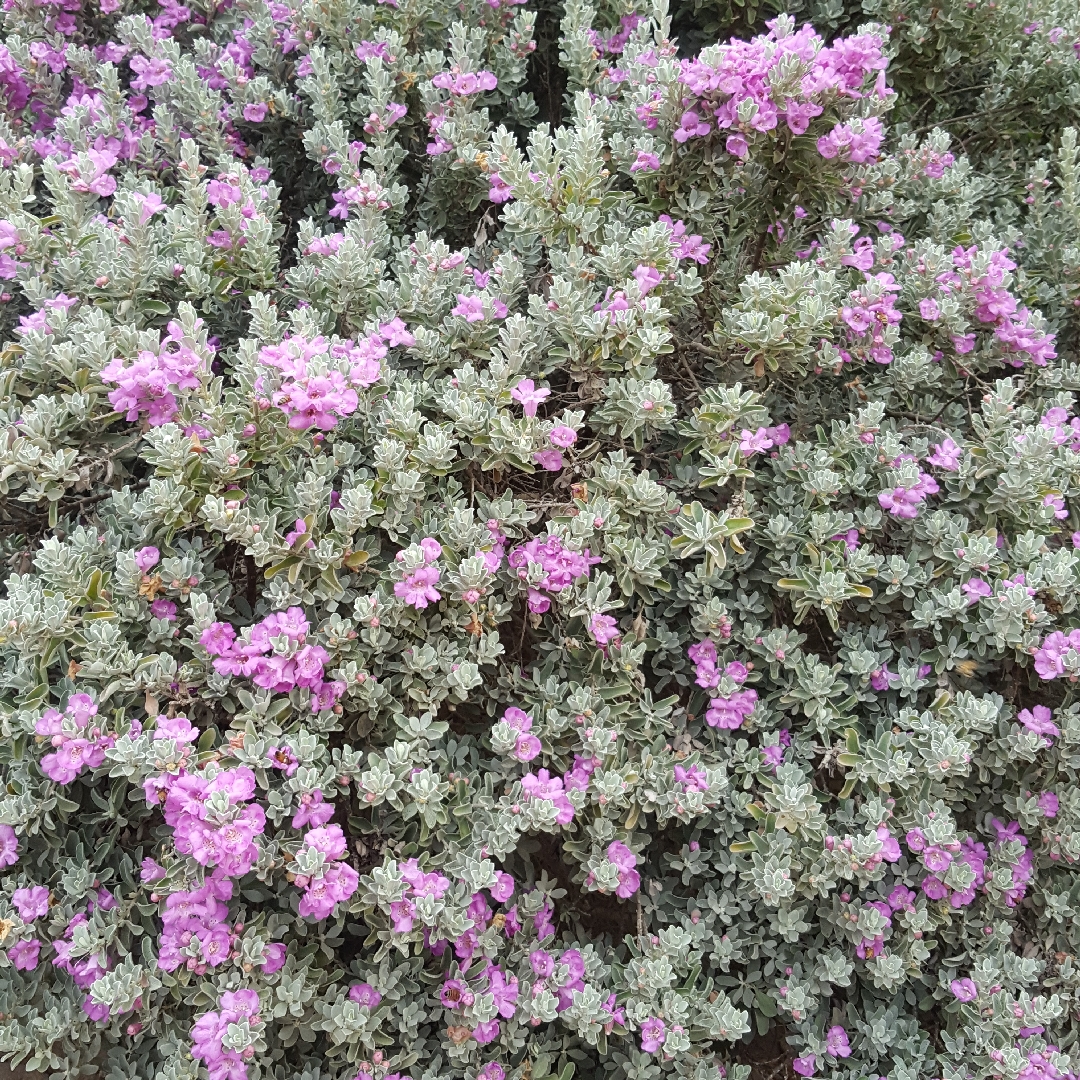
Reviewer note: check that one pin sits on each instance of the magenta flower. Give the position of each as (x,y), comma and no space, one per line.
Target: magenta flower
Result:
(1048,804)
(1039,721)
(946,455)
(549,460)
(805,1065)
(455,994)
(31,903)
(529,396)
(964,989)
(163,609)
(645,162)
(527,747)
(499,191)
(603,629)
(653,1034)
(24,954)
(503,888)
(417,589)
(836,1042)
(562,436)
(146,557)
(365,994)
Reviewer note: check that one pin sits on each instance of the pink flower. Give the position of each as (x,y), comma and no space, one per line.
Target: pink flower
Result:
(146,557)
(163,609)
(805,1065)
(529,396)
(562,436)
(499,191)
(417,589)
(503,888)
(31,903)
(1057,504)
(964,989)
(1048,804)
(527,747)
(645,162)
(255,113)
(836,1042)
(24,954)
(653,1034)
(365,994)
(603,629)
(149,72)
(946,455)
(647,277)
(549,460)
(1039,721)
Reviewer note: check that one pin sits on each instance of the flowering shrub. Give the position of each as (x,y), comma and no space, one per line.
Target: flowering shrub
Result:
(534,553)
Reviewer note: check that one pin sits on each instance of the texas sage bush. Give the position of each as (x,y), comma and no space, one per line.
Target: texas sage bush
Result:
(539,546)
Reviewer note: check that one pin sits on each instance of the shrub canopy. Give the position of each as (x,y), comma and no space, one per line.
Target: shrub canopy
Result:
(539,543)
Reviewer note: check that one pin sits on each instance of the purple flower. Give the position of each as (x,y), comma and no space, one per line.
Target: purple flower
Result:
(255,113)
(529,396)
(503,888)
(836,1042)
(9,846)
(146,557)
(645,162)
(946,455)
(1048,804)
(805,1065)
(486,1033)
(1038,720)
(527,747)
(550,460)
(163,609)
(562,436)
(975,589)
(274,954)
(151,871)
(365,994)
(31,903)
(653,1034)
(24,954)
(1057,504)
(499,191)
(964,989)
(603,629)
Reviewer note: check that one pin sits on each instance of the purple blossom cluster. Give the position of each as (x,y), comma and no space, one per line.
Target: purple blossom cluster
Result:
(528,745)
(733,88)
(560,568)
(196,931)
(78,742)
(315,392)
(763,439)
(624,861)
(335,882)
(211,1030)
(983,281)
(150,385)
(937,858)
(417,587)
(905,502)
(256,656)
(213,820)
(544,787)
(1059,655)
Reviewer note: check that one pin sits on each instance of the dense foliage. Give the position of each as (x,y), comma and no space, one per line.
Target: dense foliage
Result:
(540,544)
